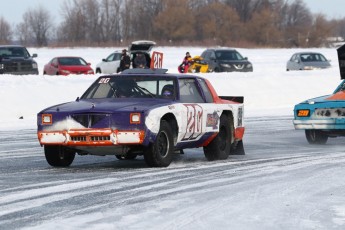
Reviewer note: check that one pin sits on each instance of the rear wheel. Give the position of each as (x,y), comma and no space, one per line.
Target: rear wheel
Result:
(219,147)
(98,70)
(316,136)
(160,152)
(58,156)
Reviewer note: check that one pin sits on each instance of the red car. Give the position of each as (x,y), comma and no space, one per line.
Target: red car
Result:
(67,65)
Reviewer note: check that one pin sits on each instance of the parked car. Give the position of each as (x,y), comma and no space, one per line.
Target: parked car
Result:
(323,117)
(111,64)
(307,61)
(226,60)
(143,112)
(67,65)
(15,59)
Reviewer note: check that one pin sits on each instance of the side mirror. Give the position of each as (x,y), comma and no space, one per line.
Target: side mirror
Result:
(245,58)
(88,63)
(34,55)
(104,60)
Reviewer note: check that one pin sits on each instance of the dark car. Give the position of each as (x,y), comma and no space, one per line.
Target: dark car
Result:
(67,65)
(15,59)
(307,61)
(323,117)
(143,112)
(226,60)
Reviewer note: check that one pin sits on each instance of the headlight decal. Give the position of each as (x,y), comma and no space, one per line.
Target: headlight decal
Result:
(47,119)
(303,113)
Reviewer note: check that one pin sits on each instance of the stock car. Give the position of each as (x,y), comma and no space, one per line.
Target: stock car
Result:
(323,117)
(143,112)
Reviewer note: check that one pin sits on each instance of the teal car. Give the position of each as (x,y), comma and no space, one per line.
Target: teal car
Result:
(324,116)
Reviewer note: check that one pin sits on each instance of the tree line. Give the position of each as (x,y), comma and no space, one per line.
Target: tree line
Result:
(241,23)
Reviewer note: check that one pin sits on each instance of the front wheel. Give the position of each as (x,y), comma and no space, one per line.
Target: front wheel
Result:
(316,137)
(58,156)
(219,147)
(160,152)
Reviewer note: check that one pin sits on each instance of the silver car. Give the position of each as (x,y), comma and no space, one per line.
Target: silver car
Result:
(307,61)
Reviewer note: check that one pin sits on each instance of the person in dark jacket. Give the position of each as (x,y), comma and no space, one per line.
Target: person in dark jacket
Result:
(125,61)
(140,61)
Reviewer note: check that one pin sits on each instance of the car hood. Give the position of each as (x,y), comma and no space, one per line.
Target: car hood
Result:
(337,97)
(11,59)
(75,67)
(106,105)
(234,61)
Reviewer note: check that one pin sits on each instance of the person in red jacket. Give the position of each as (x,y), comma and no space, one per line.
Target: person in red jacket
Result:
(187,61)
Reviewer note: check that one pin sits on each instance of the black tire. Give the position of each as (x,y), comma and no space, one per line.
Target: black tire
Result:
(219,147)
(58,156)
(316,137)
(129,156)
(160,153)
(98,70)
(217,70)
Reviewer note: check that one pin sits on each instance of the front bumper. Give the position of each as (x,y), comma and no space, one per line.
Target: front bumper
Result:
(91,137)
(323,124)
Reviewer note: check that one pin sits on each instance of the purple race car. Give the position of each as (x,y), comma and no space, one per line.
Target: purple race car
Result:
(143,112)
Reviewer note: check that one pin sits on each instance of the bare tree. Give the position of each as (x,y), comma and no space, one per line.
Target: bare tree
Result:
(5,31)
(35,26)
(110,20)
(218,22)
(175,22)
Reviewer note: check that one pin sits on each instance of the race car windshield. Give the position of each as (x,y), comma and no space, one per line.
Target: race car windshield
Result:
(131,87)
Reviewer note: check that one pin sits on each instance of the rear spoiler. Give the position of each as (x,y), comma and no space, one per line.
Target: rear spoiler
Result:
(238,99)
(341,59)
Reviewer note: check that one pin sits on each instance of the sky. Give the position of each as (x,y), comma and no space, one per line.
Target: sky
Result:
(13,10)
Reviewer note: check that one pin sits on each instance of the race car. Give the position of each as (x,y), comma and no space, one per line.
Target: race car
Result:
(143,112)
(324,116)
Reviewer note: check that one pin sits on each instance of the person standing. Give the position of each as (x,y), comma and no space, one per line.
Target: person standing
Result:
(125,61)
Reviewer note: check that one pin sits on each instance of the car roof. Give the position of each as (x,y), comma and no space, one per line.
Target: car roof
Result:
(154,72)
(307,52)
(10,46)
(221,48)
(68,57)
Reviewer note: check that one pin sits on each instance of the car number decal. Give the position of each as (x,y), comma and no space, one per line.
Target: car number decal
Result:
(104,80)
(194,121)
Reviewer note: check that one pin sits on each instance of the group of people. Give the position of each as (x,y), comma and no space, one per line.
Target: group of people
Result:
(138,62)
(141,62)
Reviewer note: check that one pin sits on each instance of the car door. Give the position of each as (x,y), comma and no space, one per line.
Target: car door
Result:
(195,109)
(52,67)
(112,63)
(210,58)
